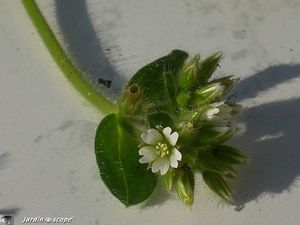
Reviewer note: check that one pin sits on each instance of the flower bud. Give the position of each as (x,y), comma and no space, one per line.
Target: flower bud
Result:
(211,136)
(235,108)
(185,184)
(188,76)
(228,82)
(208,93)
(169,180)
(229,155)
(183,99)
(216,183)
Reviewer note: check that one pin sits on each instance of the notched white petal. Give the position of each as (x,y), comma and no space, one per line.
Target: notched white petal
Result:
(211,112)
(172,138)
(165,167)
(175,157)
(217,104)
(148,153)
(146,150)
(167,131)
(156,165)
(173,162)
(177,154)
(151,137)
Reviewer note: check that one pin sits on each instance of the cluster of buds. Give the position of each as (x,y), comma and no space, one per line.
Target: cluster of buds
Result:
(203,123)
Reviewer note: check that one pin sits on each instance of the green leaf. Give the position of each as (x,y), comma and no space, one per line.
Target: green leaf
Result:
(159,118)
(150,79)
(171,87)
(118,160)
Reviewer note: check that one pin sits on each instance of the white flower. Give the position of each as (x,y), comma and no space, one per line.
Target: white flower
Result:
(212,112)
(160,151)
(213,109)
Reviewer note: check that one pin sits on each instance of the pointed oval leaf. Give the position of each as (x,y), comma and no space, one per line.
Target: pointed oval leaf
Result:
(151,78)
(118,160)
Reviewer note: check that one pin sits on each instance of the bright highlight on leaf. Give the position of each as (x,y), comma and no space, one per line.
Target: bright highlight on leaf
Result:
(173,120)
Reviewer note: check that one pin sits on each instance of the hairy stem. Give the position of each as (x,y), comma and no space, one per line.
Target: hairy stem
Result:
(64,63)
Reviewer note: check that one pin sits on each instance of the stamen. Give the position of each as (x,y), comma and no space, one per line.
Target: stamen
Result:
(162,149)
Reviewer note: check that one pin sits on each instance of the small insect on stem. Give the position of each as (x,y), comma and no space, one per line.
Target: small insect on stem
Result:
(106,83)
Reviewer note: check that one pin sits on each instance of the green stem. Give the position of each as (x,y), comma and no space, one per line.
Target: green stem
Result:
(64,63)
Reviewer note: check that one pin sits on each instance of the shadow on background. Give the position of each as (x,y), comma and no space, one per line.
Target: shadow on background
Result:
(84,45)
(9,211)
(272,137)
(3,159)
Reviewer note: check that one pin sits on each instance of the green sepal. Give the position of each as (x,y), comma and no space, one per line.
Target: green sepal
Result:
(116,149)
(217,184)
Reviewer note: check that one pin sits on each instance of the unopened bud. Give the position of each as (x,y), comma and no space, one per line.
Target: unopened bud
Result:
(183,99)
(169,180)
(185,185)
(208,93)
(188,76)
(217,183)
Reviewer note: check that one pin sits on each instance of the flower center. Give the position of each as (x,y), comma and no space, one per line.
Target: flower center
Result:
(162,149)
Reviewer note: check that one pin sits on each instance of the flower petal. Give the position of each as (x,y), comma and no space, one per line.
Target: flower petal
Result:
(172,138)
(152,137)
(164,169)
(161,164)
(146,150)
(167,131)
(156,165)
(211,112)
(175,157)
(148,153)
(216,104)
